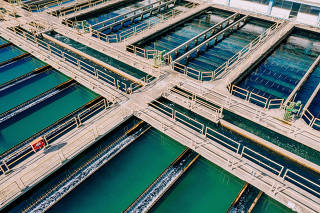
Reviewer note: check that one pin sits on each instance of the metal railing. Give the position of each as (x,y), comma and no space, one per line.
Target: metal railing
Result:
(60,13)
(41,7)
(58,131)
(139,12)
(201,100)
(311,120)
(226,66)
(286,175)
(79,64)
(255,98)
(115,38)
(205,34)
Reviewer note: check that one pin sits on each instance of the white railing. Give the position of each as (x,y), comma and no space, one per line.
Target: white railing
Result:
(41,7)
(311,120)
(51,163)
(247,50)
(73,122)
(139,12)
(255,98)
(190,95)
(205,34)
(79,64)
(115,38)
(276,168)
(77,7)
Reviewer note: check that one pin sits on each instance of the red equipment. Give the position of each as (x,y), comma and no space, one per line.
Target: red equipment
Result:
(37,144)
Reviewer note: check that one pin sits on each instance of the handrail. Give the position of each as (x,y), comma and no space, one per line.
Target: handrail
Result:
(126,16)
(249,96)
(213,28)
(236,58)
(114,38)
(303,80)
(76,7)
(222,32)
(78,63)
(73,122)
(281,171)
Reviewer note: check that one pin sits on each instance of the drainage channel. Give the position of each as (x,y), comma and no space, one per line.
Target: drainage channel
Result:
(63,173)
(22,150)
(276,163)
(22,108)
(18,68)
(163,183)
(246,199)
(58,192)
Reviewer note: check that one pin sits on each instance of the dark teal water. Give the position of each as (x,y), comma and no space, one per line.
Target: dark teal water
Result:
(9,52)
(18,68)
(314,107)
(41,116)
(118,183)
(268,205)
(205,187)
(107,14)
(278,74)
(98,55)
(287,163)
(273,137)
(217,54)
(29,89)
(309,86)
(184,31)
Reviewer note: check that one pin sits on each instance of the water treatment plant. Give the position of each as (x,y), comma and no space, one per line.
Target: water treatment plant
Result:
(160,106)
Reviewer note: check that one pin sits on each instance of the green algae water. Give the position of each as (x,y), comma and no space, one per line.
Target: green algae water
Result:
(268,205)
(205,187)
(9,52)
(25,91)
(18,68)
(118,183)
(42,115)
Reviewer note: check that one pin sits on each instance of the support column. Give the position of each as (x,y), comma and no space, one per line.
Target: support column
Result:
(318,19)
(270,7)
(228,3)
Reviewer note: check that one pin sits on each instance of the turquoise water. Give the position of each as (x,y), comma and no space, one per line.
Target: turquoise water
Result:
(205,187)
(263,151)
(9,52)
(268,205)
(26,90)
(22,127)
(18,68)
(3,41)
(278,74)
(118,183)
